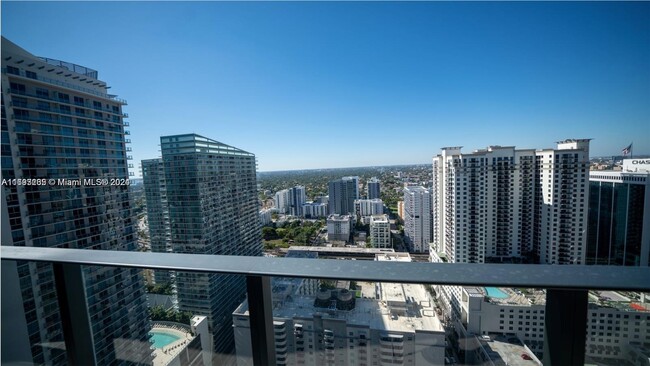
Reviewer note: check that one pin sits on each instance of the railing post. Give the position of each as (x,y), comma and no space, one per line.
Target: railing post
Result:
(75,321)
(260,312)
(565,327)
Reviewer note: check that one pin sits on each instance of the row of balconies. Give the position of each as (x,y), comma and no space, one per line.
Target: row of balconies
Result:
(67,111)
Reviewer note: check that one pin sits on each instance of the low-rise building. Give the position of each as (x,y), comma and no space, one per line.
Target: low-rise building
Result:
(618,324)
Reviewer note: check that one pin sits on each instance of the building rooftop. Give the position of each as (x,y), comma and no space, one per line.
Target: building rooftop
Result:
(342,250)
(622,301)
(337,217)
(181,337)
(504,350)
(393,256)
(368,310)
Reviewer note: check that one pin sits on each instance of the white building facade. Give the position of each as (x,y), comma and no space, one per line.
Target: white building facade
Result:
(314,210)
(417,218)
(500,203)
(364,208)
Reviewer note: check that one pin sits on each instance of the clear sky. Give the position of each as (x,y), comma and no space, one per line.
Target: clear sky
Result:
(316,85)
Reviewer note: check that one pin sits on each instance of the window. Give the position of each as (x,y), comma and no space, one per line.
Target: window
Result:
(13,70)
(31,74)
(43,93)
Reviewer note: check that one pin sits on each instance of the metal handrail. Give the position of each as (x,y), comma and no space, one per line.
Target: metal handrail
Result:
(455,274)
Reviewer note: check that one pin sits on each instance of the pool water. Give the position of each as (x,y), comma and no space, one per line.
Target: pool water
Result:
(161,339)
(496,293)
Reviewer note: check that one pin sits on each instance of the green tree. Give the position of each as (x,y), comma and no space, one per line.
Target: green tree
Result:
(269,233)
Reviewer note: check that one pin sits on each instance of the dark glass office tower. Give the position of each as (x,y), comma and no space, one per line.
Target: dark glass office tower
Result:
(155,190)
(213,209)
(618,225)
(374,188)
(342,193)
(60,126)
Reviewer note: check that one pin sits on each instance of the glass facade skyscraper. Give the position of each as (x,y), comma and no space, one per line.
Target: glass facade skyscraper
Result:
(211,191)
(342,194)
(59,126)
(155,190)
(619,222)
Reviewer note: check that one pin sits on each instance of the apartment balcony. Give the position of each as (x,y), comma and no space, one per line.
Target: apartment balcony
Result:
(565,314)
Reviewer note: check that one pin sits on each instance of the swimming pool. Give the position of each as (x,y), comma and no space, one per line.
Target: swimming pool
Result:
(496,293)
(161,339)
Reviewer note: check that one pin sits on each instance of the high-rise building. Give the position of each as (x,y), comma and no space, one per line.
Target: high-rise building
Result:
(60,126)
(290,201)
(153,176)
(213,209)
(618,232)
(380,231)
(342,193)
(266,216)
(502,204)
(417,219)
(373,188)
(297,198)
(282,201)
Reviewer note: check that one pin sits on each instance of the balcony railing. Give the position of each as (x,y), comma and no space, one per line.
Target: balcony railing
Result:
(566,295)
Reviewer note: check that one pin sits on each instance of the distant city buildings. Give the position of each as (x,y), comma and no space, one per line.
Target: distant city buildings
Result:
(373,188)
(313,210)
(322,199)
(386,323)
(281,201)
(380,231)
(364,208)
(266,215)
(500,203)
(619,218)
(342,193)
(213,209)
(60,124)
(417,219)
(339,228)
(290,201)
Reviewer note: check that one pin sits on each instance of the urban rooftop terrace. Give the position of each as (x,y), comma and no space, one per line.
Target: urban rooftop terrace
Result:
(566,305)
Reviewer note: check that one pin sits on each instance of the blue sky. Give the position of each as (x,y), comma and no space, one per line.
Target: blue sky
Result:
(316,85)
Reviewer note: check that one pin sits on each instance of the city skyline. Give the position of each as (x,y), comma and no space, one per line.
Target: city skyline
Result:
(444,74)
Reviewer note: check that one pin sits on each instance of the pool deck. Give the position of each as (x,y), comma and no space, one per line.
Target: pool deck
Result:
(514,296)
(169,352)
